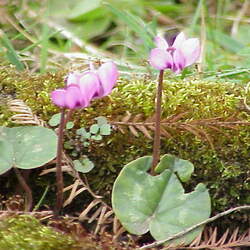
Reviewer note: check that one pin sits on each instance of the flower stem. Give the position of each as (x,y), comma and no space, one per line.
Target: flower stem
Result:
(59,174)
(157,137)
(68,117)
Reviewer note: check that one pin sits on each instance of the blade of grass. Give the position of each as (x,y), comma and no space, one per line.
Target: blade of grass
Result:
(230,73)
(11,54)
(42,198)
(44,48)
(135,24)
(196,17)
(38,42)
(226,41)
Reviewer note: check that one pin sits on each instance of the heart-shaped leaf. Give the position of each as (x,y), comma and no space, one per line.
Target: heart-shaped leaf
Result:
(157,203)
(26,147)
(83,166)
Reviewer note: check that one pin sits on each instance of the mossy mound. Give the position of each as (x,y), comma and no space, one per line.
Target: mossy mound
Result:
(25,232)
(221,154)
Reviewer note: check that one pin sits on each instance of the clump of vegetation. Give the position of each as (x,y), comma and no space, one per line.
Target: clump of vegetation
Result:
(221,155)
(26,232)
(205,112)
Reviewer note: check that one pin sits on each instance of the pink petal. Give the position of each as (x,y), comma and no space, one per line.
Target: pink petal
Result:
(161,43)
(89,86)
(179,40)
(160,59)
(58,97)
(191,50)
(71,78)
(73,97)
(108,75)
(74,77)
(179,61)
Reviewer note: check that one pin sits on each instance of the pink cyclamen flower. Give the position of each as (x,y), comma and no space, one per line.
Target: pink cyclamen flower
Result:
(176,56)
(83,87)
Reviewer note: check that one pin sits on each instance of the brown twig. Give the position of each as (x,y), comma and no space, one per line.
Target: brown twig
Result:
(178,235)
(26,188)
(157,137)
(59,174)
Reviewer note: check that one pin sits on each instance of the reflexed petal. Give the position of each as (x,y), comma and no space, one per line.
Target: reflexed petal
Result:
(161,43)
(179,61)
(108,75)
(160,59)
(71,78)
(179,40)
(79,76)
(74,97)
(74,77)
(89,86)
(191,50)
(58,97)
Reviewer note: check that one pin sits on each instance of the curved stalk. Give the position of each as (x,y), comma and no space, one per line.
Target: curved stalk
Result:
(59,174)
(157,136)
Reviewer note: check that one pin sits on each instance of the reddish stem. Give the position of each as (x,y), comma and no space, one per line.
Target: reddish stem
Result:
(157,137)
(68,117)
(59,174)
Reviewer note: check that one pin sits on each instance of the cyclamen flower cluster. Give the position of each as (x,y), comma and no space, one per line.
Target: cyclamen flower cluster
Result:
(175,55)
(83,87)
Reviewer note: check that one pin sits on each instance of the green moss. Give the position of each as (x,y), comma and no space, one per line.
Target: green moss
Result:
(25,232)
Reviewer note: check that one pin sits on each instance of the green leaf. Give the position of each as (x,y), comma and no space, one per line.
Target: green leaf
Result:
(44,47)
(245,51)
(55,120)
(101,120)
(105,129)
(86,144)
(93,27)
(184,168)
(26,147)
(83,7)
(83,166)
(11,54)
(96,137)
(68,145)
(226,41)
(81,131)
(134,23)
(157,203)
(69,125)
(94,129)
(6,153)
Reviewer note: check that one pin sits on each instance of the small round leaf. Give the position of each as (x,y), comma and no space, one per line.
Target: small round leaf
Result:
(94,129)
(105,129)
(83,166)
(96,137)
(69,125)
(55,120)
(101,120)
